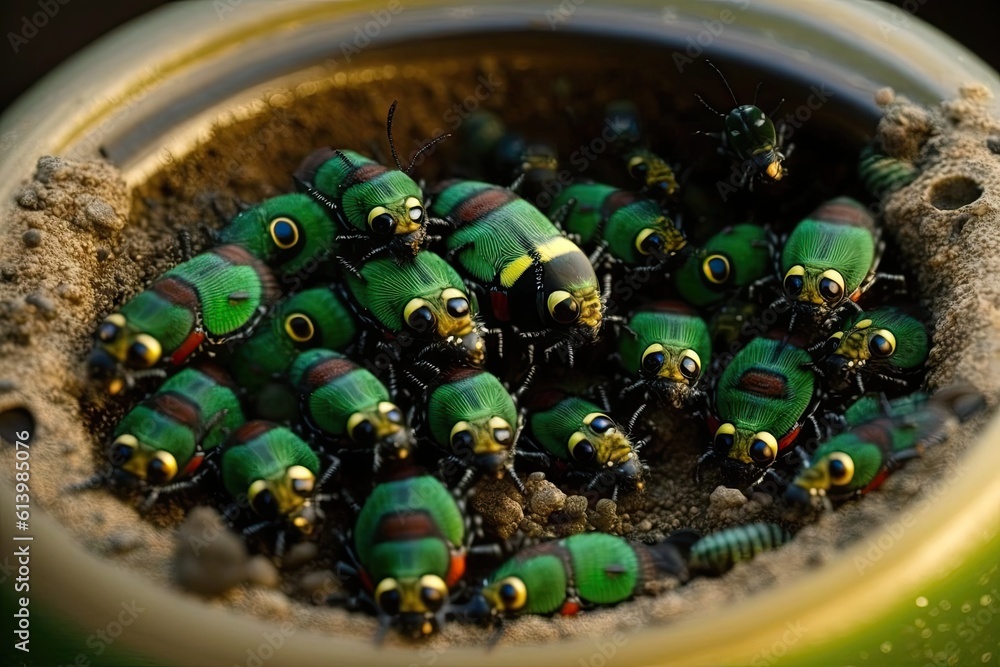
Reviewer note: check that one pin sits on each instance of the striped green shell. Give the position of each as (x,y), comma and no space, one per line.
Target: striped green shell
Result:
(869,407)
(746,249)
(314,239)
(586,215)
(552,428)
(271,350)
(543,571)
(362,186)
(868,447)
(672,328)
(387,286)
(718,552)
(882,174)
(765,387)
(838,235)
(265,455)
(173,419)
(384,553)
(333,388)
(472,395)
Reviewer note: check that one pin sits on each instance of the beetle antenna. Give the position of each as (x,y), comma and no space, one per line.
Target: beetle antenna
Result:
(429,144)
(708,106)
(723,77)
(777,106)
(756,91)
(388,129)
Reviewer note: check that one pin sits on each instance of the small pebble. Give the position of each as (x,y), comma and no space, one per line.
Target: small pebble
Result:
(299,554)
(123,542)
(724,498)
(644,526)
(28,198)
(318,585)
(32,238)
(100,214)
(262,572)
(103,254)
(41,302)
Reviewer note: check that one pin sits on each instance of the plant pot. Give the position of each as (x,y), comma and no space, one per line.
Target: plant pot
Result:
(149,93)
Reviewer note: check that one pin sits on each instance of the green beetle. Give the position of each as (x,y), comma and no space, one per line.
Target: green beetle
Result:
(424,299)
(619,225)
(647,169)
(883,175)
(312,318)
(565,576)
(760,403)
(347,405)
(531,275)
(501,155)
(886,345)
(161,444)
(830,259)
(752,140)
(731,260)
(380,210)
(664,348)
(217,296)
(718,552)
(291,233)
(278,474)
(582,436)
(410,546)
(470,414)
(857,461)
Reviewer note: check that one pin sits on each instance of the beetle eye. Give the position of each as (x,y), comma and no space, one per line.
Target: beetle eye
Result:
(418,316)
(833,342)
(122,449)
(690,365)
(455,302)
(882,344)
(161,468)
(653,359)
(262,501)
(794,281)
(144,352)
(391,412)
(414,209)
(433,592)
(301,480)
(831,285)
(461,438)
(725,437)
(387,596)
(512,593)
(716,269)
(563,307)
(580,448)
(599,423)
(381,221)
(361,429)
(299,328)
(650,242)
(764,448)
(108,331)
(284,233)
(637,168)
(841,468)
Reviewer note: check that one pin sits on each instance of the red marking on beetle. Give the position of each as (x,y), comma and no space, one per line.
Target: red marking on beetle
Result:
(763,383)
(500,305)
(877,482)
(481,203)
(570,608)
(194,463)
(456,569)
(366,580)
(713,424)
(789,438)
(188,347)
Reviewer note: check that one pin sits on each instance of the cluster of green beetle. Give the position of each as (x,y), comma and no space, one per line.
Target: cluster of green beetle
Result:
(383,386)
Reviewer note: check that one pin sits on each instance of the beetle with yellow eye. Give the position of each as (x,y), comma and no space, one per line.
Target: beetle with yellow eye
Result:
(162,444)
(617,226)
(857,461)
(279,475)
(829,261)
(292,233)
(214,297)
(347,406)
(664,348)
(423,299)
(582,437)
(880,349)
(648,170)
(380,210)
(316,317)
(529,275)
(728,262)
(579,572)
(409,546)
(760,403)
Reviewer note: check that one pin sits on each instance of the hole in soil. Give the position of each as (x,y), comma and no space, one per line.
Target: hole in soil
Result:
(16,421)
(954,192)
